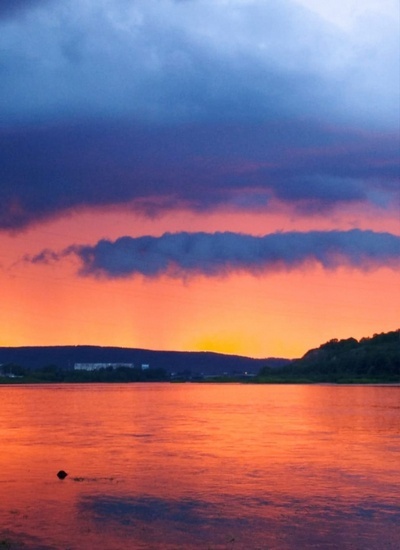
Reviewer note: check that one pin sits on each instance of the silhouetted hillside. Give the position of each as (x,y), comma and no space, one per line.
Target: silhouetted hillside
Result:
(376,358)
(64,357)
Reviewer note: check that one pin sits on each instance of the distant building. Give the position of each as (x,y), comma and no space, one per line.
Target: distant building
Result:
(5,374)
(98,366)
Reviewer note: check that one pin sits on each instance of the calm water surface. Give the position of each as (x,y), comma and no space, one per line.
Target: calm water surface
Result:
(207,466)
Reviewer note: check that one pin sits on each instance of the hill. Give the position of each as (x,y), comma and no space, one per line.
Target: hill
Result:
(369,359)
(188,363)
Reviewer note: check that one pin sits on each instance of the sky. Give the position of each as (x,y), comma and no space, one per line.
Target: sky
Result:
(197,175)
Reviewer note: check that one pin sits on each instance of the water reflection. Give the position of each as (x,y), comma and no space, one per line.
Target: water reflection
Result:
(200,466)
(256,523)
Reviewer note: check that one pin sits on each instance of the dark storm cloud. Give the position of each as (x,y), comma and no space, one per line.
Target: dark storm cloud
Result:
(212,254)
(163,60)
(13,7)
(223,105)
(51,170)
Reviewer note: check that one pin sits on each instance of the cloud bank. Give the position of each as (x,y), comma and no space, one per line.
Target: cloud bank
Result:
(215,254)
(163,60)
(50,171)
(200,104)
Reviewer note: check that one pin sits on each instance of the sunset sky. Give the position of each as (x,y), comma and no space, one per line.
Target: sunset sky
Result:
(199,174)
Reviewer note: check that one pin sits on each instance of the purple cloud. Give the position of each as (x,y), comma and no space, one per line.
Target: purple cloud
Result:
(13,7)
(214,254)
(49,171)
(160,104)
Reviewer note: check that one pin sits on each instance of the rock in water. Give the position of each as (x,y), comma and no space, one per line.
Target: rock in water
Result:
(61,474)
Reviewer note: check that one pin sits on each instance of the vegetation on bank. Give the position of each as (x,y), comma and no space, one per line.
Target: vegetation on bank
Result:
(375,359)
(369,360)
(52,374)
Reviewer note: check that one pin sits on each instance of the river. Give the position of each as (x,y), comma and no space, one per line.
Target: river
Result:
(200,466)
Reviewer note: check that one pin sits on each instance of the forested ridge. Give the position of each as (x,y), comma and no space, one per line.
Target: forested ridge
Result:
(370,359)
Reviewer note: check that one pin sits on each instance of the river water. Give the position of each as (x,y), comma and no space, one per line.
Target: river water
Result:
(200,466)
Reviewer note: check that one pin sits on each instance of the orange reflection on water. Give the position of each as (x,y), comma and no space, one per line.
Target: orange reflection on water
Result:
(200,466)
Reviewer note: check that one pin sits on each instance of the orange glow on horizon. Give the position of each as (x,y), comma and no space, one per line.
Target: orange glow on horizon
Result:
(280,314)
(272,314)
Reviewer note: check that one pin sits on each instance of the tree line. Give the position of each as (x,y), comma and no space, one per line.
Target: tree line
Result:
(370,359)
(52,373)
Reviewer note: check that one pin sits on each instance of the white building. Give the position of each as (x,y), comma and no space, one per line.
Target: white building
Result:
(97,366)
